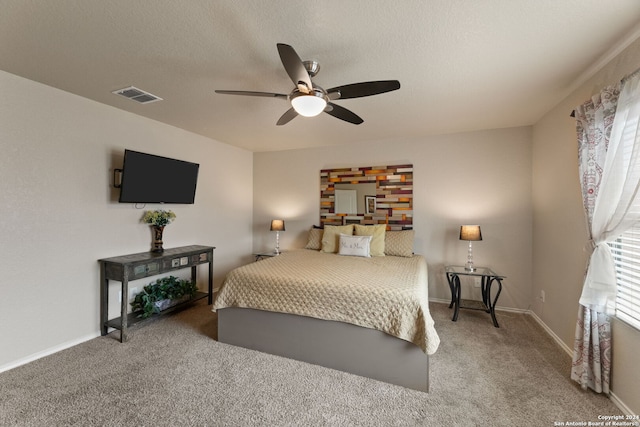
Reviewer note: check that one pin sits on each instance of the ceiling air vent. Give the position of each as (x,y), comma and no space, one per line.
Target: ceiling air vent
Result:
(138,95)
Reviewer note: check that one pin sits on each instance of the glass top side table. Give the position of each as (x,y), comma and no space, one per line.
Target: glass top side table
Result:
(262,255)
(488,278)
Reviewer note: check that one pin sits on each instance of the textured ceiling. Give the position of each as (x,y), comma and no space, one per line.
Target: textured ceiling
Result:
(463,65)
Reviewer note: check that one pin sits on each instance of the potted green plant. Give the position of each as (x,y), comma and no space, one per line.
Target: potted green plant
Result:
(162,294)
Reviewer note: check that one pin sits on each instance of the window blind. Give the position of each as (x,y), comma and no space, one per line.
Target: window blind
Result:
(626,253)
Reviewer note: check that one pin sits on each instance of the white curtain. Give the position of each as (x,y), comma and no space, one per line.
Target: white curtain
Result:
(609,151)
(614,211)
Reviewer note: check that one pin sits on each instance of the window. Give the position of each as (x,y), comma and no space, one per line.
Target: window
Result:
(626,253)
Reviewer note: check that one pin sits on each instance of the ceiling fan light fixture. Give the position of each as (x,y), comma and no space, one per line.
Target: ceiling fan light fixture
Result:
(308,99)
(308,105)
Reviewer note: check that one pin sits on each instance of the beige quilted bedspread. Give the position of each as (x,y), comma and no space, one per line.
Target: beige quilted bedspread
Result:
(384,293)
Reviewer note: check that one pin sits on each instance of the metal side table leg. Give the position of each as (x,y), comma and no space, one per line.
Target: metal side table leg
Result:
(456,296)
(451,287)
(492,304)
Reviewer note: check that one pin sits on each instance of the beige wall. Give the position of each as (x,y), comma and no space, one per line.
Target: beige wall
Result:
(59,215)
(560,231)
(479,177)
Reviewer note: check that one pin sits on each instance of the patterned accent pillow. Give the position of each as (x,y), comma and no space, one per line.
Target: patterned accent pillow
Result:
(331,236)
(399,243)
(315,239)
(355,245)
(377,232)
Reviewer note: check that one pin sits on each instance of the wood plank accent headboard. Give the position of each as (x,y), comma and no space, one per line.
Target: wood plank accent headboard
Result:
(394,195)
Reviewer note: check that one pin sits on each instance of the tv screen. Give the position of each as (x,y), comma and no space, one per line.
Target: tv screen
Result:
(147,178)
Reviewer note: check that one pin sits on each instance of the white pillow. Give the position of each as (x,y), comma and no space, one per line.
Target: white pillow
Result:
(355,245)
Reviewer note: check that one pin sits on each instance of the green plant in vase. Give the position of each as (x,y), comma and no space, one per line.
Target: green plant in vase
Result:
(167,288)
(158,219)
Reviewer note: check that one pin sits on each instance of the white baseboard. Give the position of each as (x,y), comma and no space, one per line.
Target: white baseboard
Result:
(498,308)
(616,401)
(521,311)
(620,404)
(440,300)
(46,352)
(556,338)
(612,396)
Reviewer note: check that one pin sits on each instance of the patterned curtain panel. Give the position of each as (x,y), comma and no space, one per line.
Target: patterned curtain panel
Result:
(609,154)
(591,366)
(594,120)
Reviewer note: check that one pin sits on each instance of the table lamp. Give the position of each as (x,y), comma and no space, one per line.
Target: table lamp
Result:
(471,233)
(277,225)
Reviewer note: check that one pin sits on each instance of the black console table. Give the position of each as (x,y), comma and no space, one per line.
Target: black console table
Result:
(138,266)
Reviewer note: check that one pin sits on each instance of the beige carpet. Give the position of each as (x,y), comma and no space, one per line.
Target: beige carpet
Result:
(173,373)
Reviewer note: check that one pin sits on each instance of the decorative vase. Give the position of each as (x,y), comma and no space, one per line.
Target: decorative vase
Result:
(157,238)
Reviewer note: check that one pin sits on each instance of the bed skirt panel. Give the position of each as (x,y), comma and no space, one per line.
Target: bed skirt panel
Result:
(342,346)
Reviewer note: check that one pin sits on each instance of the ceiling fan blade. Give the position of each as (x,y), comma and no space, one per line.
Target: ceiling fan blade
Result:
(343,114)
(249,93)
(294,66)
(289,115)
(358,90)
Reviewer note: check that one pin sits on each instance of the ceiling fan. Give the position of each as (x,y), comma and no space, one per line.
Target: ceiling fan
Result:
(308,99)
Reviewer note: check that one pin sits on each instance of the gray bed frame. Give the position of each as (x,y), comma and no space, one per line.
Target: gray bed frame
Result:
(342,346)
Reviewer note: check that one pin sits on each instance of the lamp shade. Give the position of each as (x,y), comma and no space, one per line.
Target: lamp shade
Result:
(277,225)
(308,105)
(470,232)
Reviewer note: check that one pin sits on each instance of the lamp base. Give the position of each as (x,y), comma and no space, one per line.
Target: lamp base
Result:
(277,250)
(469,265)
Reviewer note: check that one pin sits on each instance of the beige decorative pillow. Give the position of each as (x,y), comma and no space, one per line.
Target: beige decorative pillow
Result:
(377,233)
(315,239)
(331,236)
(399,243)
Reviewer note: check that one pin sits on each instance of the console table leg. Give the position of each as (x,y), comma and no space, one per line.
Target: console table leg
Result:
(193,273)
(104,296)
(210,297)
(123,308)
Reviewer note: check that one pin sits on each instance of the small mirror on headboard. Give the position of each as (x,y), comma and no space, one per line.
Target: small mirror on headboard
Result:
(383,195)
(353,195)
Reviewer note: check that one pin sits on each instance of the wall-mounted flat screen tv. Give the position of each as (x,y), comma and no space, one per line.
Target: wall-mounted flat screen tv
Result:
(147,178)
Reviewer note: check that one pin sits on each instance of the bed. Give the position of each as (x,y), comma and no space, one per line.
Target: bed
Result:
(365,315)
